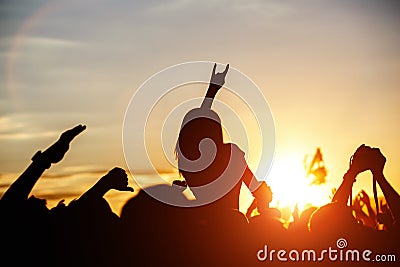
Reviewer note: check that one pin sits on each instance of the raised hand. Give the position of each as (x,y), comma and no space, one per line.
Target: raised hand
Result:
(56,152)
(116,179)
(263,194)
(218,79)
(364,199)
(361,200)
(360,161)
(357,203)
(216,82)
(377,161)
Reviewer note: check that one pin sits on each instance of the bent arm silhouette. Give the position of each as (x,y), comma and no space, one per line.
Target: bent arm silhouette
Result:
(21,188)
(114,179)
(259,189)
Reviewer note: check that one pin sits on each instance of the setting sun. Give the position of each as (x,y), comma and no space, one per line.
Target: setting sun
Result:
(291,186)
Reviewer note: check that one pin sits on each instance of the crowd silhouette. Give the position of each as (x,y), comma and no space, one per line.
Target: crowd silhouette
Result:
(213,232)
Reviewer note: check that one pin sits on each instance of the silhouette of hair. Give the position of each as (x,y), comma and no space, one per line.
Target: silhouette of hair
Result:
(198,125)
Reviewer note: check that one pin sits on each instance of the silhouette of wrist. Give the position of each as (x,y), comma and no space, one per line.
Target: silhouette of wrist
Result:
(377,170)
(212,90)
(350,175)
(41,160)
(378,174)
(103,185)
(98,190)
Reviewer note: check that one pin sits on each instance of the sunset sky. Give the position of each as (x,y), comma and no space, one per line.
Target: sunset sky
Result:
(330,71)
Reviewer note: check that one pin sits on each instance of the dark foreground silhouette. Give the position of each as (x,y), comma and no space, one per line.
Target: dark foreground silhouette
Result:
(85,232)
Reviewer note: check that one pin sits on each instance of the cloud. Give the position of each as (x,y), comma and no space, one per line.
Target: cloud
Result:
(49,42)
(20,136)
(7,124)
(80,171)
(14,127)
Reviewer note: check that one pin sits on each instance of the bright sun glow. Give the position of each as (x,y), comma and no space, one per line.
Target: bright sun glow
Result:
(290,186)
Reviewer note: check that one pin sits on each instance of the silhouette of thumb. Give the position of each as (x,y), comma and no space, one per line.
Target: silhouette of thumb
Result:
(128,189)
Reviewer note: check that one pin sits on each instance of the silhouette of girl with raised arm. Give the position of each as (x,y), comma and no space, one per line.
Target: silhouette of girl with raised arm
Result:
(214,170)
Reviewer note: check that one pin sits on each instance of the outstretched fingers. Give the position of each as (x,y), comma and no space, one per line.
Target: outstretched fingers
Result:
(214,69)
(226,69)
(70,134)
(127,189)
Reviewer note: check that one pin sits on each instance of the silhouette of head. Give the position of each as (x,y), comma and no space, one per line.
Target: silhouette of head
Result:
(333,219)
(199,140)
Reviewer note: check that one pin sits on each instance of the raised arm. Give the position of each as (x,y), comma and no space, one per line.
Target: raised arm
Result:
(391,196)
(216,82)
(358,164)
(41,161)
